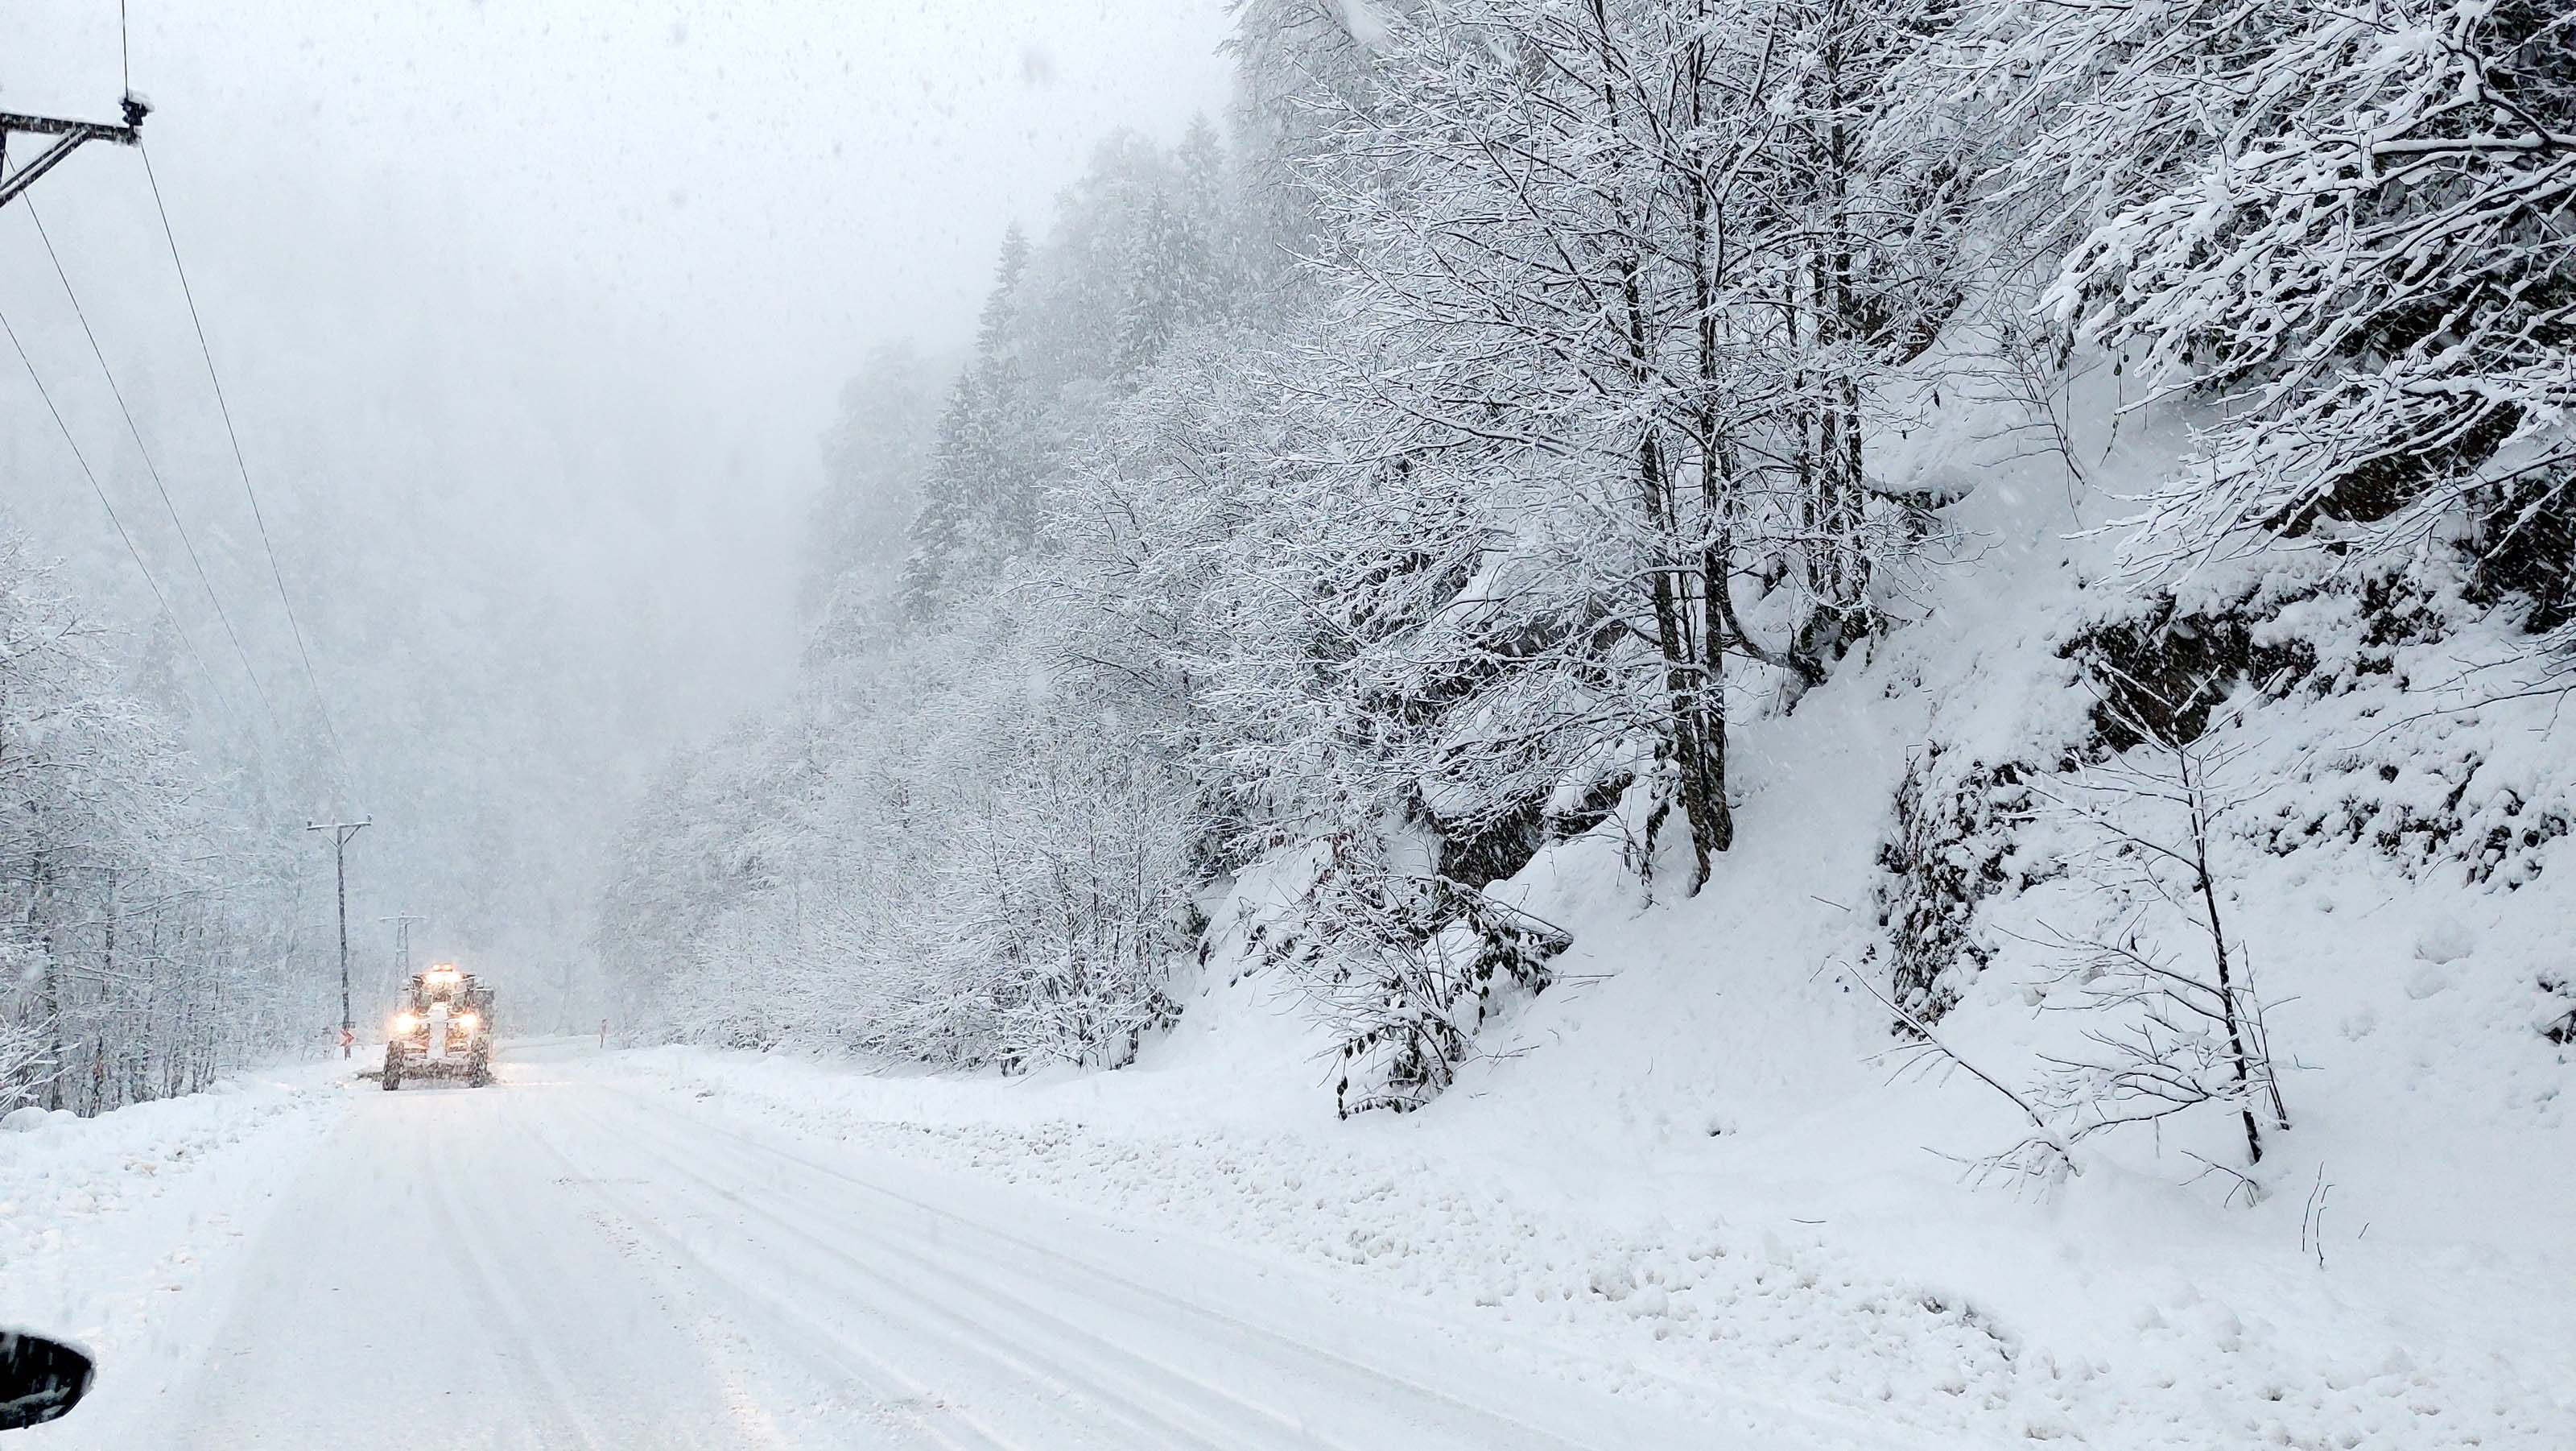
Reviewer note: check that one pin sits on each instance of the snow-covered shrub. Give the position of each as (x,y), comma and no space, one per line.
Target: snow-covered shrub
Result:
(2165,987)
(1402,967)
(1073,886)
(25,1065)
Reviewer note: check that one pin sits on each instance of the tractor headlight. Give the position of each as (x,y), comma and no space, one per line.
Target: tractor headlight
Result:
(406,1022)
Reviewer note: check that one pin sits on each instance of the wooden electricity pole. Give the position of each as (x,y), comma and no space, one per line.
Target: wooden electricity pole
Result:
(341,831)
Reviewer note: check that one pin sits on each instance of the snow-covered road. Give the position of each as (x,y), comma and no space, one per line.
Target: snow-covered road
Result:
(688,1248)
(570,1260)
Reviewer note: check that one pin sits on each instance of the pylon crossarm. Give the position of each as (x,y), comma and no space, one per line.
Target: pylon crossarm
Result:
(73,133)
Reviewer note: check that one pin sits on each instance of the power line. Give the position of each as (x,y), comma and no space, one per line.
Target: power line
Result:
(83,460)
(321,703)
(149,466)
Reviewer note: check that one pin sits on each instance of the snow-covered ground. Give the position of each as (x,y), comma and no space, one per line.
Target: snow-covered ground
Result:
(678,1247)
(128,1234)
(1822,1261)
(1702,1154)
(592,1254)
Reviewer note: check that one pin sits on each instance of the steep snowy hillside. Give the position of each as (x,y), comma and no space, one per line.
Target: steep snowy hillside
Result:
(2393,872)
(1857,695)
(1707,1142)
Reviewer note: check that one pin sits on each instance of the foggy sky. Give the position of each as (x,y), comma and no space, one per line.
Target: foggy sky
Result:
(531,315)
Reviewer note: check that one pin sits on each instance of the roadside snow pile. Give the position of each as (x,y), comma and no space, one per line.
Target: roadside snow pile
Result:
(114,1229)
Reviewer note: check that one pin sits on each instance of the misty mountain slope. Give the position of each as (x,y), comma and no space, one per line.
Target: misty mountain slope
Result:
(1842,715)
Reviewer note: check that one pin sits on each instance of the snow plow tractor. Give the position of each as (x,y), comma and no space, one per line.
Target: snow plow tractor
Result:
(442,1029)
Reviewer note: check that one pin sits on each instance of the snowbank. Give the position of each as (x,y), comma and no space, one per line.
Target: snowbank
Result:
(119,1232)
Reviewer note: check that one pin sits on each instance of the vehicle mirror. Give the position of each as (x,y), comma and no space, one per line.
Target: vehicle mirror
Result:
(39,1379)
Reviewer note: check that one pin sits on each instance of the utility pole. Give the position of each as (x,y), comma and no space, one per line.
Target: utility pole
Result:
(341,831)
(73,133)
(402,943)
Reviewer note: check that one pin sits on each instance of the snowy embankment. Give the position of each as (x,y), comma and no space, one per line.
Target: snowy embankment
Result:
(124,1233)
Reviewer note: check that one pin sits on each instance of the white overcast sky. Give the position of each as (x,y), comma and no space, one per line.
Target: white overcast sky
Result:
(532,315)
(578,281)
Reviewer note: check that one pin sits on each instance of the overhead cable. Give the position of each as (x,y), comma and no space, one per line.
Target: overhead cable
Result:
(103,502)
(321,702)
(194,559)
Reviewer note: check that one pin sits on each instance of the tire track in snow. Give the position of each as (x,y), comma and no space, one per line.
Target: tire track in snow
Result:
(881,1289)
(464,1230)
(686,1279)
(1026,1355)
(1080,1275)
(846,1362)
(1088,1283)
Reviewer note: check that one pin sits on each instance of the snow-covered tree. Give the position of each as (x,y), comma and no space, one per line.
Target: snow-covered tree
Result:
(2351,232)
(1639,258)
(131,907)
(871,491)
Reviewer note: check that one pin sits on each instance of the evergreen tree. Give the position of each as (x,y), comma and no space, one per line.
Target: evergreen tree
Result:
(979,498)
(1177,275)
